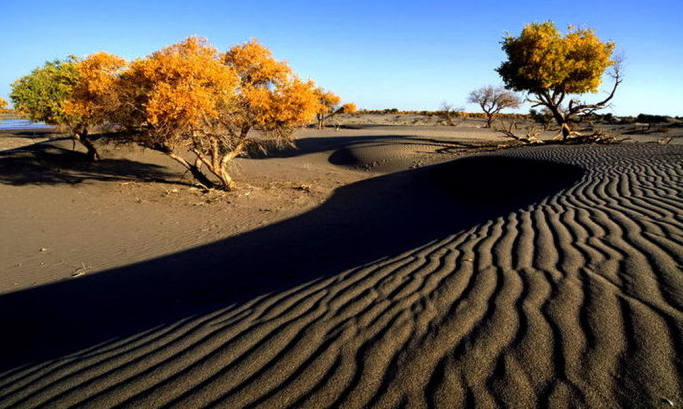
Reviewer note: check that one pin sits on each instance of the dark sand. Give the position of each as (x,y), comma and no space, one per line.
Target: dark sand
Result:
(527,277)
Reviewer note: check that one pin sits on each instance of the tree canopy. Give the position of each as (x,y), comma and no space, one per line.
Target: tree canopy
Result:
(549,66)
(170,100)
(53,94)
(328,105)
(93,95)
(40,95)
(270,97)
(348,108)
(540,59)
(190,97)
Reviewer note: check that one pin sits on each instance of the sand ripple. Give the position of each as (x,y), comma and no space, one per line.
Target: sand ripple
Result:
(576,300)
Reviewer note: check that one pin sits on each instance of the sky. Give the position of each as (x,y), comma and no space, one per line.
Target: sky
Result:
(405,54)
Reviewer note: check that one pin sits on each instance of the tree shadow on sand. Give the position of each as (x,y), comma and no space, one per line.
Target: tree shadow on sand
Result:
(362,222)
(48,164)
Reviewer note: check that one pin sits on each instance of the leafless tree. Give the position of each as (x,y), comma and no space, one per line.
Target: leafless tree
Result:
(492,100)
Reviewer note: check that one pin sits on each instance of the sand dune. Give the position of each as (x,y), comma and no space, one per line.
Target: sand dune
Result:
(533,277)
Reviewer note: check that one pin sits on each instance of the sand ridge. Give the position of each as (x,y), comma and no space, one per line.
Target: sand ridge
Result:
(573,298)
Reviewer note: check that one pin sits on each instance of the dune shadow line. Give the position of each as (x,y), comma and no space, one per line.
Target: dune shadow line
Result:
(317,144)
(361,222)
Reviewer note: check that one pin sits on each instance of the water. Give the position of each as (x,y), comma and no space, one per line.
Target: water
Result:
(22,124)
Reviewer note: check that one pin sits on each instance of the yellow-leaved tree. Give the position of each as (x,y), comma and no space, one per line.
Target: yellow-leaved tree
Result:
(171,100)
(190,98)
(3,103)
(271,100)
(550,66)
(93,99)
(328,106)
(348,108)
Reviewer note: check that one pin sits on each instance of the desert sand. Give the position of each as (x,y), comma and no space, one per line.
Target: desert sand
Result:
(372,267)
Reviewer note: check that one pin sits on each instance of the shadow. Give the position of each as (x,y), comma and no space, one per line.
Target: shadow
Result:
(305,146)
(360,223)
(30,134)
(47,164)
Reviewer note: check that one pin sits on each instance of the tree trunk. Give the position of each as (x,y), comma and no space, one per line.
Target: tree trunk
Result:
(222,173)
(199,176)
(195,169)
(566,130)
(562,121)
(226,179)
(489,120)
(82,137)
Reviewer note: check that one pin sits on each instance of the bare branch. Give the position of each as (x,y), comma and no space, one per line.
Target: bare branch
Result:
(616,75)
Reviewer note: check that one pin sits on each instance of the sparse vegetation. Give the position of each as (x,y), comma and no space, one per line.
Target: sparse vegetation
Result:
(492,100)
(651,119)
(543,118)
(450,114)
(328,107)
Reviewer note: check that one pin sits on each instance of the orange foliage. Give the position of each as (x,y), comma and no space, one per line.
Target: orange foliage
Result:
(3,103)
(328,105)
(170,94)
(348,108)
(328,101)
(270,97)
(93,98)
(550,67)
(188,97)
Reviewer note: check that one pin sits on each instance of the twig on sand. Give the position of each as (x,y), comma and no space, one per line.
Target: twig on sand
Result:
(80,271)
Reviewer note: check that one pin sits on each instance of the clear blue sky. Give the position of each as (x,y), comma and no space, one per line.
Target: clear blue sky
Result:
(379,54)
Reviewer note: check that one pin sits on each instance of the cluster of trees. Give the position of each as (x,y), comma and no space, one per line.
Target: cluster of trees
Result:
(191,98)
(187,98)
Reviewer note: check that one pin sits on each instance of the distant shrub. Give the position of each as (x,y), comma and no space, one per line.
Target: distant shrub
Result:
(450,114)
(348,108)
(329,106)
(543,117)
(652,119)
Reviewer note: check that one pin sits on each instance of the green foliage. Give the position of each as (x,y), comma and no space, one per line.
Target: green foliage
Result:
(40,96)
